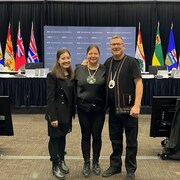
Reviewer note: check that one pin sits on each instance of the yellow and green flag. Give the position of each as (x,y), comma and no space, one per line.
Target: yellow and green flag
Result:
(158,59)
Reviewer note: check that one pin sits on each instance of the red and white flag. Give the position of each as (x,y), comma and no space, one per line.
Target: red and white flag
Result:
(179,63)
(139,55)
(20,52)
(32,52)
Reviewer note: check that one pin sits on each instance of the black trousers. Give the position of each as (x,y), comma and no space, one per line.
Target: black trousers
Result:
(117,125)
(56,148)
(91,124)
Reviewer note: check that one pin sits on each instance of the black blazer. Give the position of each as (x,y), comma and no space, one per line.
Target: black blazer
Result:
(59,106)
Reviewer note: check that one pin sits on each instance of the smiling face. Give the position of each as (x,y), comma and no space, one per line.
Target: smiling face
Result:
(64,60)
(117,47)
(93,55)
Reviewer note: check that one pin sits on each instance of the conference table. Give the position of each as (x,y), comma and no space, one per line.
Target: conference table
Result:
(32,91)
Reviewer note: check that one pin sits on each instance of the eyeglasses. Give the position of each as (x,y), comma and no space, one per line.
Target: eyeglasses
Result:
(116,44)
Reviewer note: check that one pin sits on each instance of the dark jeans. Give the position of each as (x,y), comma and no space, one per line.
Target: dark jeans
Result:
(117,124)
(91,124)
(56,148)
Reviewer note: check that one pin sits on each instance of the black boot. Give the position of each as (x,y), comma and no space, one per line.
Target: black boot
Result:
(86,169)
(64,168)
(96,168)
(57,171)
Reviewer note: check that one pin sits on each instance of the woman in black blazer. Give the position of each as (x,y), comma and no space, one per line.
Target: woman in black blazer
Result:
(60,110)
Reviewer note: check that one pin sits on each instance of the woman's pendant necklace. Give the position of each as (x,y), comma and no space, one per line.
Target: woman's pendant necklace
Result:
(91,79)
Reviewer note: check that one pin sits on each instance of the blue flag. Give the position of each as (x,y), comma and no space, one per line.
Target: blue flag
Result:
(32,52)
(171,56)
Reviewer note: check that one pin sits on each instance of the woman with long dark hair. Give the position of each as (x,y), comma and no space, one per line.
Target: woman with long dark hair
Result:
(90,81)
(60,110)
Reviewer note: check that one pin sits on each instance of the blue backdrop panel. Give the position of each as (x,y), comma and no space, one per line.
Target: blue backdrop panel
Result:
(77,39)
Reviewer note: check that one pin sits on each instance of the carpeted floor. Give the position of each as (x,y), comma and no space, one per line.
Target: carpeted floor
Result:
(24,156)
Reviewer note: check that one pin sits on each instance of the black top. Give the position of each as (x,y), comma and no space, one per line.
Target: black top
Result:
(111,92)
(124,79)
(93,93)
(70,88)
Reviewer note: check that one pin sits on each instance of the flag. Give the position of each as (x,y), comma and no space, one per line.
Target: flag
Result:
(171,57)
(1,56)
(179,63)
(139,55)
(20,52)
(9,53)
(158,59)
(32,52)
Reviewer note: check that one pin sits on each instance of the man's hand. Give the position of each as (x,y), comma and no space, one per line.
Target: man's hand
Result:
(84,62)
(135,110)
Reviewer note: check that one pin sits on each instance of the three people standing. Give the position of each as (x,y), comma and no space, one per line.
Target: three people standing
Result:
(117,85)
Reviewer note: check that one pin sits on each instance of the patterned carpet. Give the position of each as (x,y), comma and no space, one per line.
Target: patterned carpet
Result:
(24,156)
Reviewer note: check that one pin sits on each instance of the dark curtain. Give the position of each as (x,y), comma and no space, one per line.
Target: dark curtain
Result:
(168,13)
(108,14)
(25,12)
(91,14)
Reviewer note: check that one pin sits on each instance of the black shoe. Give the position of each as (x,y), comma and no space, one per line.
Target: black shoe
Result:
(130,176)
(57,172)
(86,169)
(111,171)
(96,168)
(63,167)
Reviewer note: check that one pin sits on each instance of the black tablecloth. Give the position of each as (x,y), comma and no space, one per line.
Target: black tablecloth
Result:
(32,91)
(24,91)
(159,87)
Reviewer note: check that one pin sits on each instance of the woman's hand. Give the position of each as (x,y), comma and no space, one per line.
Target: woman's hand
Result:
(54,123)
